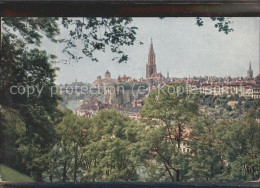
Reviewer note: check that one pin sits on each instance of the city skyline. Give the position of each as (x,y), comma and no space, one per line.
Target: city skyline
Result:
(182,49)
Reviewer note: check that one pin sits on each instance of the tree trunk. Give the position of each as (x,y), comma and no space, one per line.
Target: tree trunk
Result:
(50,177)
(179,136)
(177,175)
(179,146)
(169,172)
(64,173)
(75,164)
(38,177)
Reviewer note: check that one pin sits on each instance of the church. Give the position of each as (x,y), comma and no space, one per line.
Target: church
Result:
(151,70)
(250,73)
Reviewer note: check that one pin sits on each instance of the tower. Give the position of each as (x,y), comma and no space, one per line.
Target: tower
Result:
(107,75)
(151,65)
(250,72)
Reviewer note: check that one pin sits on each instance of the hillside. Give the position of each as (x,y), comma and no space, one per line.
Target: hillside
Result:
(11,175)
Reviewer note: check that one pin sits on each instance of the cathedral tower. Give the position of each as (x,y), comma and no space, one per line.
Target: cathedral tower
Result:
(250,72)
(151,65)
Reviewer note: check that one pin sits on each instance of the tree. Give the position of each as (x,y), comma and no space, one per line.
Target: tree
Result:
(25,67)
(66,157)
(28,71)
(115,151)
(240,147)
(107,147)
(173,111)
(205,162)
(12,129)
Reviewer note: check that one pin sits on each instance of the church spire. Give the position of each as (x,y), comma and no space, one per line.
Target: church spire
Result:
(151,65)
(151,47)
(250,72)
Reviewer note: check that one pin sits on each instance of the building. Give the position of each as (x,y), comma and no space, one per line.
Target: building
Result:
(153,78)
(250,72)
(89,108)
(98,81)
(104,82)
(243,89)
(151,64)
(124,78)
(107,75)
(256,89)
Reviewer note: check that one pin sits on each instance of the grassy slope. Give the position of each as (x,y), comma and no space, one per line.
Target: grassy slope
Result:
(11,175)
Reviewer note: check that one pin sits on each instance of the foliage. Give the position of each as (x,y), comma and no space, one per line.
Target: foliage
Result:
(106,147)
(24,66)
(205,162)
(115,151)
(219,107)
(66,157)
(228,151)
(12,129)
(29,69)
(93,34)
(240,147)
(221,23)
(173,111)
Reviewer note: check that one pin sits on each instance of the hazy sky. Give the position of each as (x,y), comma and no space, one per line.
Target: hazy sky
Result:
(181,47)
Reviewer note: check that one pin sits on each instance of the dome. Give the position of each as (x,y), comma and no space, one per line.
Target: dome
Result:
(107,75)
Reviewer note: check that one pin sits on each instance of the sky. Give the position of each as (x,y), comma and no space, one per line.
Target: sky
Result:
(181,47)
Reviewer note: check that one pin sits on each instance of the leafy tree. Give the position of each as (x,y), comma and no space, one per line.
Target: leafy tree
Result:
(115,151)
(205,162)
(12,129)
(107,147)
(24,66)
(228,151)
(30,69)
(173,111)
(66,158)
(240,147)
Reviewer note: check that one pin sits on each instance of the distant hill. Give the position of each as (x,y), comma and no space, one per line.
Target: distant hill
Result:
(11,175)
